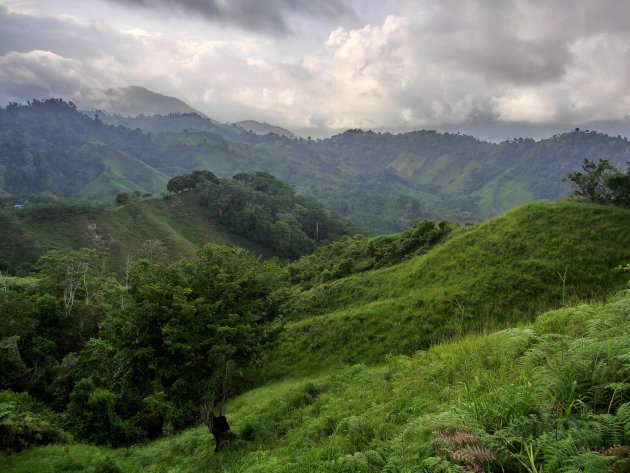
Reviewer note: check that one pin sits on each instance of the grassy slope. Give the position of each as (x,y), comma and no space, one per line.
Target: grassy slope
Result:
(371,419)
(179,223)
(122,173)
(383,417)
(484,277)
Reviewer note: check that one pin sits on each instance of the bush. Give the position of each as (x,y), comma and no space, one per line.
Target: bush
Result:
(93,416)
(24,421)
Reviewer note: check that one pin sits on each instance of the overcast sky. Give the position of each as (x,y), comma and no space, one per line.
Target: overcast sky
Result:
(329,65)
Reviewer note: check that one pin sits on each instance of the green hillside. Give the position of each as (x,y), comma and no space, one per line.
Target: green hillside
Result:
(178,223)
(440,363)
(382,181)
(551,396)
(486,276)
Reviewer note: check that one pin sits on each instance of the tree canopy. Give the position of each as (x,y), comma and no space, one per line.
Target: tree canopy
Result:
(601,183)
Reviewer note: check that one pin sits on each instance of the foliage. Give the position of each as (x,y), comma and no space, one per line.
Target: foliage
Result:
(185,334)
(57,210)
(123,198)
(180,224)
(601,183)
(49,319)
(495,401)
(549,396)
(267,211)
(25,422)
(93,416)
(190,181)
(484,277)
(381,181)
(359,253)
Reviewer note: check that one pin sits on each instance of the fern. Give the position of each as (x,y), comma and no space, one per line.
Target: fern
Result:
(462,446)
(440,465)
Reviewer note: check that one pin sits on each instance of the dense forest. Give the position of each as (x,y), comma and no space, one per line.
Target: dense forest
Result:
(381,181)
(266,210)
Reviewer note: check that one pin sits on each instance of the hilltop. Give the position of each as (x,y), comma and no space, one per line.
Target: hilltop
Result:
(254,211)
(136,100)
(179,226)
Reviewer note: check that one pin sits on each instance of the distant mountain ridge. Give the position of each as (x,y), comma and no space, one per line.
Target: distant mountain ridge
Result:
(382,181)
(135,100)
(264,128)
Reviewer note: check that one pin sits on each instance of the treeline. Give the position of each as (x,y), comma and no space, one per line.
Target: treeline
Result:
(117,363)
(601,183)
(53,209)
(266,210)
(360,253)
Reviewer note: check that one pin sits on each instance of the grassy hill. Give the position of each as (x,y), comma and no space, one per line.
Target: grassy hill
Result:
(483,277)
(179,223)
(532,398)
(441,363)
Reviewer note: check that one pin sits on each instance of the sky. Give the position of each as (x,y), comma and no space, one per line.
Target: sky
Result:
(322,66)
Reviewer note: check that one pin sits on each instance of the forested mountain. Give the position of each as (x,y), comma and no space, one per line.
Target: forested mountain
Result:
(136,100)
(264,128)
(381,181)
(254,211)
(174,122)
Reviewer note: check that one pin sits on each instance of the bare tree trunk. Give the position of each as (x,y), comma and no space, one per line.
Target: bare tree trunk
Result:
(217,424)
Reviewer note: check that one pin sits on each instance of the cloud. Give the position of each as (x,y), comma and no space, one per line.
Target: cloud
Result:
(432,64)
(269,16)
(457,61)
(61,57)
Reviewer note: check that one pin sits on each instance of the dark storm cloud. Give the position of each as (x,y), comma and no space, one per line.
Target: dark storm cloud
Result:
(23,33)
(269,16)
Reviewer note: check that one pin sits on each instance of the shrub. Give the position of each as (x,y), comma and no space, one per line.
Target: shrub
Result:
(24,421)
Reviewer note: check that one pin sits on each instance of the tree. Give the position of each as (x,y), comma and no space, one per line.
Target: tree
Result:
(591,184)
(190,329)
(620,187)
(123,198)
(80,280)
(192,180)
(601,183)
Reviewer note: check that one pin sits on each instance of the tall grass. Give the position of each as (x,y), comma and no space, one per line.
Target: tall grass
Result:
(483,278)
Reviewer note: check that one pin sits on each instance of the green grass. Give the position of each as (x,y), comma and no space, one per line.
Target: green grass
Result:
(121,173)
(482,278)
(501,195)
(385,418)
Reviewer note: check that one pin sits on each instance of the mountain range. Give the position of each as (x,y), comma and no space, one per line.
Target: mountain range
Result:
(382,181)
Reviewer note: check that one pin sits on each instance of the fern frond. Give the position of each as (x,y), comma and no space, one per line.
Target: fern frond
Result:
(473,457)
